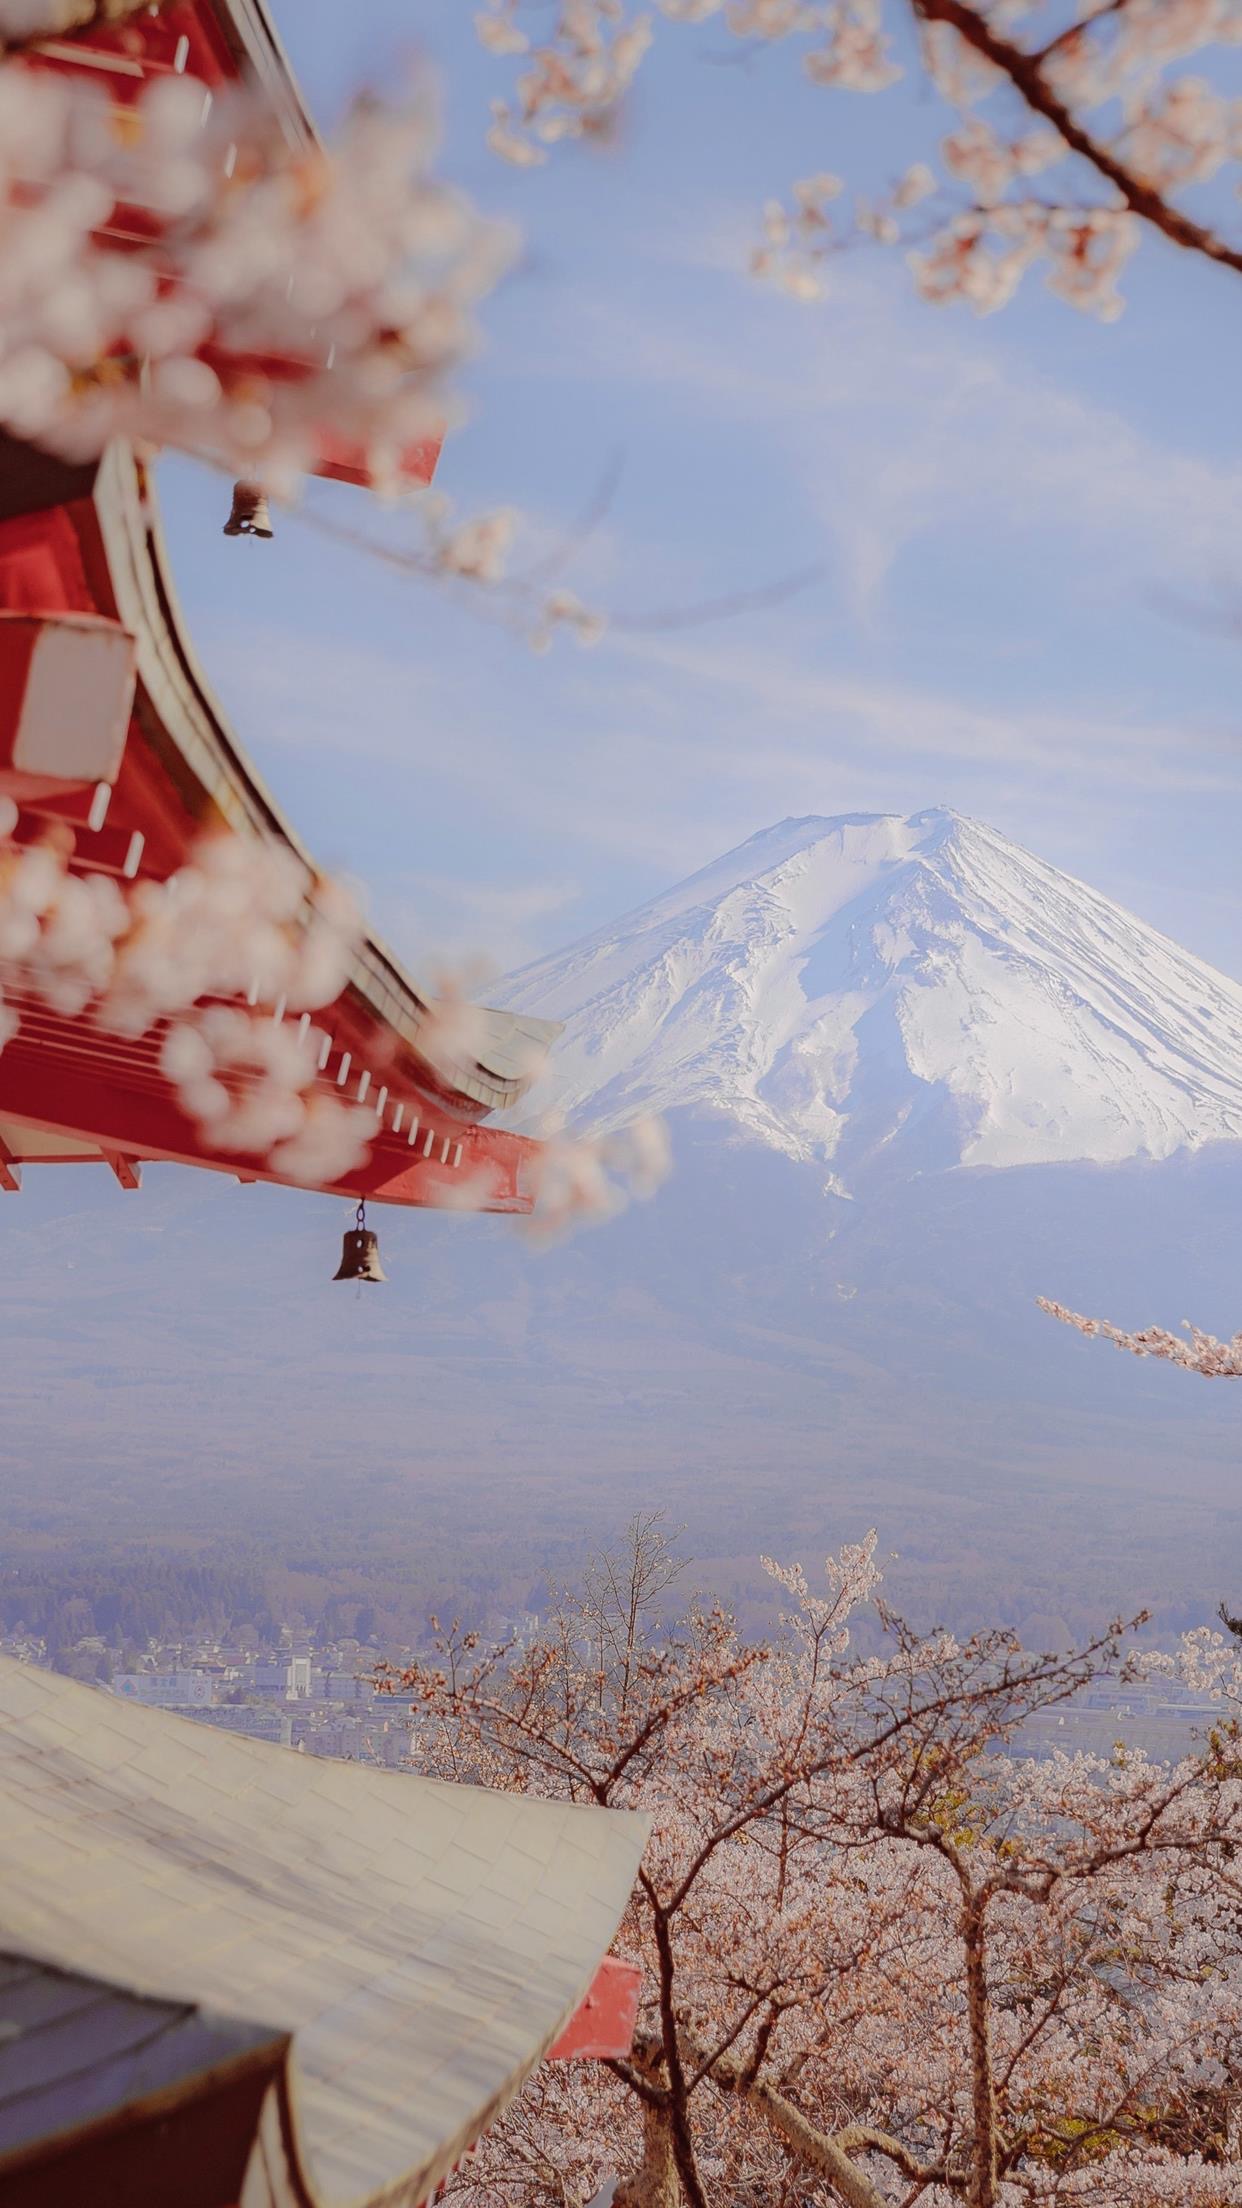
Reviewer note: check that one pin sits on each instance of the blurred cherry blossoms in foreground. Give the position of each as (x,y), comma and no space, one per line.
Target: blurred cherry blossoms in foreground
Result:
(274,292)
(194,958)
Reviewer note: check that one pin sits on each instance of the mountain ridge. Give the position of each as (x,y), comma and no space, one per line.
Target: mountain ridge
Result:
(895,993)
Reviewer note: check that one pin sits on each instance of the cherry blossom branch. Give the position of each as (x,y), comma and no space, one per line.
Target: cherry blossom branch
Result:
(678,2091)
(984,2145)
(830,2155)
(180,958)
(1175,132)
(1201,1353)
(706,2062)
(819,2149)
(474,552)
(1026,73)
(654,2096)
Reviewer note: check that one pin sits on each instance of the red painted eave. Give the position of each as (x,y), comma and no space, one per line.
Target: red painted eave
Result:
(82,545)
(602,2026)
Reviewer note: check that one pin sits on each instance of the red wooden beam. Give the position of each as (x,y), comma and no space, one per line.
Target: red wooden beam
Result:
(65,1079)
(602,2026)
(95,851)
(127,1170)
(10,1171)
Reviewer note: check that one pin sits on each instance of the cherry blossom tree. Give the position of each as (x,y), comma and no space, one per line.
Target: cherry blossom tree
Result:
(887,1956)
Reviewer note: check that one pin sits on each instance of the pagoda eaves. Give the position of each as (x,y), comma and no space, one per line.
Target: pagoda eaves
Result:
(85,578)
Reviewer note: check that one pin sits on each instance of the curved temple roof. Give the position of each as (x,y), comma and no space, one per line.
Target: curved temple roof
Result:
(421,1945)
(509,1047)
(87,540)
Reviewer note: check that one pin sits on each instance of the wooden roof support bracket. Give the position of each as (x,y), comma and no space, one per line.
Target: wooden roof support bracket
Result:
(127,1170)
(10,1171)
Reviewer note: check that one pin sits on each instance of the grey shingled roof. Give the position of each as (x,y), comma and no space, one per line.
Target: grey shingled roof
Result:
(75,2052)
(423,1943)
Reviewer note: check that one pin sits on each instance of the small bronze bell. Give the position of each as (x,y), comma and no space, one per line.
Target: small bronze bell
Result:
(250,516)
(360,1253)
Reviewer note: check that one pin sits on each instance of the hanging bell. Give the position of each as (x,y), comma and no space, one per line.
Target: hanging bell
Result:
(250,516)
(360,1253)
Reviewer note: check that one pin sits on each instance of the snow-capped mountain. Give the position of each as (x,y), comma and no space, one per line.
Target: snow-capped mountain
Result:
(908,992)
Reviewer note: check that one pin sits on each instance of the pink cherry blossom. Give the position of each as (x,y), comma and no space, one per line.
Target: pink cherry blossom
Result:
(286,297)
(887,1956)
(1089,100)
(1195,1351)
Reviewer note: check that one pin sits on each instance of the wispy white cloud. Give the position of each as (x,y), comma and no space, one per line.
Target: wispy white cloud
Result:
(945,471)
(689,738)
(469,930)
(902,423)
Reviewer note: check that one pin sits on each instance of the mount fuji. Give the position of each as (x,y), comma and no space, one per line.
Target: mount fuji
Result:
(885,995)
(914,1078)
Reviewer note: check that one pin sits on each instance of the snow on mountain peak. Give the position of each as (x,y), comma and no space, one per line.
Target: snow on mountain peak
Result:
(914,992)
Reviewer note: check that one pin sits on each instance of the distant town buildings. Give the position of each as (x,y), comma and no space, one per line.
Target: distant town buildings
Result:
(253,1720)
(299,1694)
(1161,1717)
(166,1690)
(320,1697)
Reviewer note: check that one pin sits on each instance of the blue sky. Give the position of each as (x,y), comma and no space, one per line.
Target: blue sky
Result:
(1008,515)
